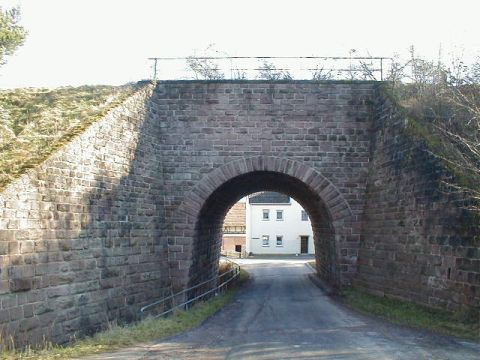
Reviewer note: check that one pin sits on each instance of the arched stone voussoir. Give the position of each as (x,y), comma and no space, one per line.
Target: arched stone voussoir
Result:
(204,206)
(311,177)
(232,169)
(277,164)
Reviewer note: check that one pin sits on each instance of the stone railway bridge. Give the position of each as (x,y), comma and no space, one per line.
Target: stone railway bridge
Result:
(134,207)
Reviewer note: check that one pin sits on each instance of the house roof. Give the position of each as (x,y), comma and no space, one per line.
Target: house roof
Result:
(269,197)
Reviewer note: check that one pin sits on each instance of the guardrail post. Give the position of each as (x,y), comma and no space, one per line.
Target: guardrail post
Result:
(155,60)
(196,292)
(381,69)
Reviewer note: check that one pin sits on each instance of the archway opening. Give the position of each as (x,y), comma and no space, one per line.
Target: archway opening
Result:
(209,225)
(268,224)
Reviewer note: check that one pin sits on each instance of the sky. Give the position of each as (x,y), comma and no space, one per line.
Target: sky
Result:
(73,42)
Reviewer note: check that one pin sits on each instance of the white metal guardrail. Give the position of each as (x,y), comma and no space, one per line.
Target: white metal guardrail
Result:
(269,67)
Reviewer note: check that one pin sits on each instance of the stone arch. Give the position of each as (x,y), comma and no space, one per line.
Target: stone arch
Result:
(194,251)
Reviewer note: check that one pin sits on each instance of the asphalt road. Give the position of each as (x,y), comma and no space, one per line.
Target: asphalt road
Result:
(281,314)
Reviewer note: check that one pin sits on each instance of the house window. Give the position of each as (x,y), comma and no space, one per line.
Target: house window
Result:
(265,240)
(279,215)
(279,240)
(266,214)
(304,215)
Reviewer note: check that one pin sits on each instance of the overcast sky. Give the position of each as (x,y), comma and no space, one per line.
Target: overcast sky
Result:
(74,42)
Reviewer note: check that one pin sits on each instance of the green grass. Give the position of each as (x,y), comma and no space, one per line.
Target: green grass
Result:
(36,122)
(466,325)
(118,337)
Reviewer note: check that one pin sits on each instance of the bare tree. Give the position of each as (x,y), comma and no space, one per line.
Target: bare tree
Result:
(396,72)
(463,96)
(447,100)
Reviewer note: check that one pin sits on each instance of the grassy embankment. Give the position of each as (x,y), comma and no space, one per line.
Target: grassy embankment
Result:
(426,125)
(117,337)
(465,325)
(36,122)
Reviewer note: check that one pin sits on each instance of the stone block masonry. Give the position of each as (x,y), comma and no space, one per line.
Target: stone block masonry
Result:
(314,136)
(419,242)
(79,244)
(134,207)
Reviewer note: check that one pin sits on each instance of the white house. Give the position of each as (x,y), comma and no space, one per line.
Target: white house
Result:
(277,224)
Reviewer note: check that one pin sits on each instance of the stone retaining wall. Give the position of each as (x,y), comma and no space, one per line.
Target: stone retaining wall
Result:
(419,243)
(79,243)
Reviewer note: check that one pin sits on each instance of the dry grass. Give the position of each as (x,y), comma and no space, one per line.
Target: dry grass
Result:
(117,337)
(36,122)
(223,267)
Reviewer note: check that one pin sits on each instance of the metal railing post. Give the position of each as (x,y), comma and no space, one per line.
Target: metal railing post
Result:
(232,273)
(381,69)
(155,70)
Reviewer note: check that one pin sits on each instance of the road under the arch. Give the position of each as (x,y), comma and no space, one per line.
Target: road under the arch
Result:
(281,314)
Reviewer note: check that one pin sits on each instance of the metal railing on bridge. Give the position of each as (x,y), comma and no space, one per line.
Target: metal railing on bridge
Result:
(186,298)
(269,68)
